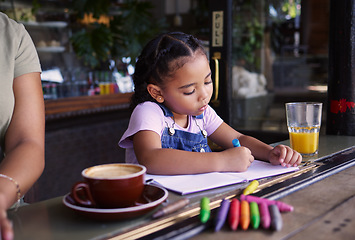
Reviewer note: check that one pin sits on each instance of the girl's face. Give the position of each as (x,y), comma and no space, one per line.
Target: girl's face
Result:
(189,90)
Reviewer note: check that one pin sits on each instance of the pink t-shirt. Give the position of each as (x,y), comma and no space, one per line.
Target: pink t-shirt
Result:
(150,116)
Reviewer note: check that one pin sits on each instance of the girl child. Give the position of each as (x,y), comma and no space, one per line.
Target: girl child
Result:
(171,120)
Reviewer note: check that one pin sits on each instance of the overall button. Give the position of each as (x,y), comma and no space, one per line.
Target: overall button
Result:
(171,131)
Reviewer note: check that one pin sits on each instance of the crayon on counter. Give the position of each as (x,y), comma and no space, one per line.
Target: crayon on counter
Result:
(236,143)
(171,208)
(254,215)
(205,210)
(251,187)
(244,215)
(265,219)
(283,207)
(276,219)
(222,214)
(234,212)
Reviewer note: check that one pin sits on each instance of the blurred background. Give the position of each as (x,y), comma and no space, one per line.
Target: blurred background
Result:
(87,48)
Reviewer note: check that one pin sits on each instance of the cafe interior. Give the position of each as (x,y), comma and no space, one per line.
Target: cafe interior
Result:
(87,50)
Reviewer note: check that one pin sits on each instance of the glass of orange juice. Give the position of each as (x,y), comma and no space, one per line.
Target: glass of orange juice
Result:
(303,123)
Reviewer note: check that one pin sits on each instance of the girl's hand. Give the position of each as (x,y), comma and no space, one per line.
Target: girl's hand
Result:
(285,156)
(237,159)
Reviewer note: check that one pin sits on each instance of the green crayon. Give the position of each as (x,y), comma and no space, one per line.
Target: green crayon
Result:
(205,210)
(254,215)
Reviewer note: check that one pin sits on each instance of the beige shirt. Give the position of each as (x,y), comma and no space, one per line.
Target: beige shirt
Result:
(18,56)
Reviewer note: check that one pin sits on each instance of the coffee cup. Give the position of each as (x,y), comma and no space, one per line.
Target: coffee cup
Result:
(114,185)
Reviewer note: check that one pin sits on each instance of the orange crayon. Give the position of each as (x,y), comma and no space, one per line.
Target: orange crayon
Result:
(244,215)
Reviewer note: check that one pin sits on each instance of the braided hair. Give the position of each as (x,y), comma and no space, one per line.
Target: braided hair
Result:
(159,60)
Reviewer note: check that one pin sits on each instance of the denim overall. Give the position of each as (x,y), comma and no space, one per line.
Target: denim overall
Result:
(182,140)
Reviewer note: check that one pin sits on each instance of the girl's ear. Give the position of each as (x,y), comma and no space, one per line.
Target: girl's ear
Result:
(155,92)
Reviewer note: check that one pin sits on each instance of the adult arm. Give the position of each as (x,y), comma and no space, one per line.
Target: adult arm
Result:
(24,142)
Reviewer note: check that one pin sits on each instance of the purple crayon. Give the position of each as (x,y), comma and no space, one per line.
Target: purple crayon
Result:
(222,214)
(265,218)
(283,207)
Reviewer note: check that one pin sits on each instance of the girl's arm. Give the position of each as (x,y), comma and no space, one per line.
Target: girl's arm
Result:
(225,134)
(158,160)
(280,154)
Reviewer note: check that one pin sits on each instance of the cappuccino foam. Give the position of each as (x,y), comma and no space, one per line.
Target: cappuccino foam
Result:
(111,171)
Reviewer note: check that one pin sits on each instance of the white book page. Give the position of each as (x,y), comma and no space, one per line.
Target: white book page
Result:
(185,184)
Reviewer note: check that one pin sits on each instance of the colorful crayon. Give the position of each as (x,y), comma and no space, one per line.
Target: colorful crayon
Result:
(205,210)
(283,207)
(254,215)
(222,214)
(244,215)
(234,213)
(251,187)
(276,219)
(236,143)
(264,215)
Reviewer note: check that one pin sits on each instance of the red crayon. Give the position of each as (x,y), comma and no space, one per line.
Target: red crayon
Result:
(283,207)
(244,215)
(234,212)
(265,218)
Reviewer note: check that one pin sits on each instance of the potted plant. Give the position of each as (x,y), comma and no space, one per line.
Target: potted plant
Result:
(114,31)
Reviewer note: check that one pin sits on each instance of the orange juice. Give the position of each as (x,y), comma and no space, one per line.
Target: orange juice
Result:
(304,142)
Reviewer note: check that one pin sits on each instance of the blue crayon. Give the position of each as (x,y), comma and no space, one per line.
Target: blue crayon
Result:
(222,214)
(236,143)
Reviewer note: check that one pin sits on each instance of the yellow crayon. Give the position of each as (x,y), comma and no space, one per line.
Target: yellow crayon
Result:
(251,187)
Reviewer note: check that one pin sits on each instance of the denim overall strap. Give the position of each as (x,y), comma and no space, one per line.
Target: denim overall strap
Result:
(166,111)
(182,140)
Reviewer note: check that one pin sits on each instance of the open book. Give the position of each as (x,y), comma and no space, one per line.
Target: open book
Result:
(185,184)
